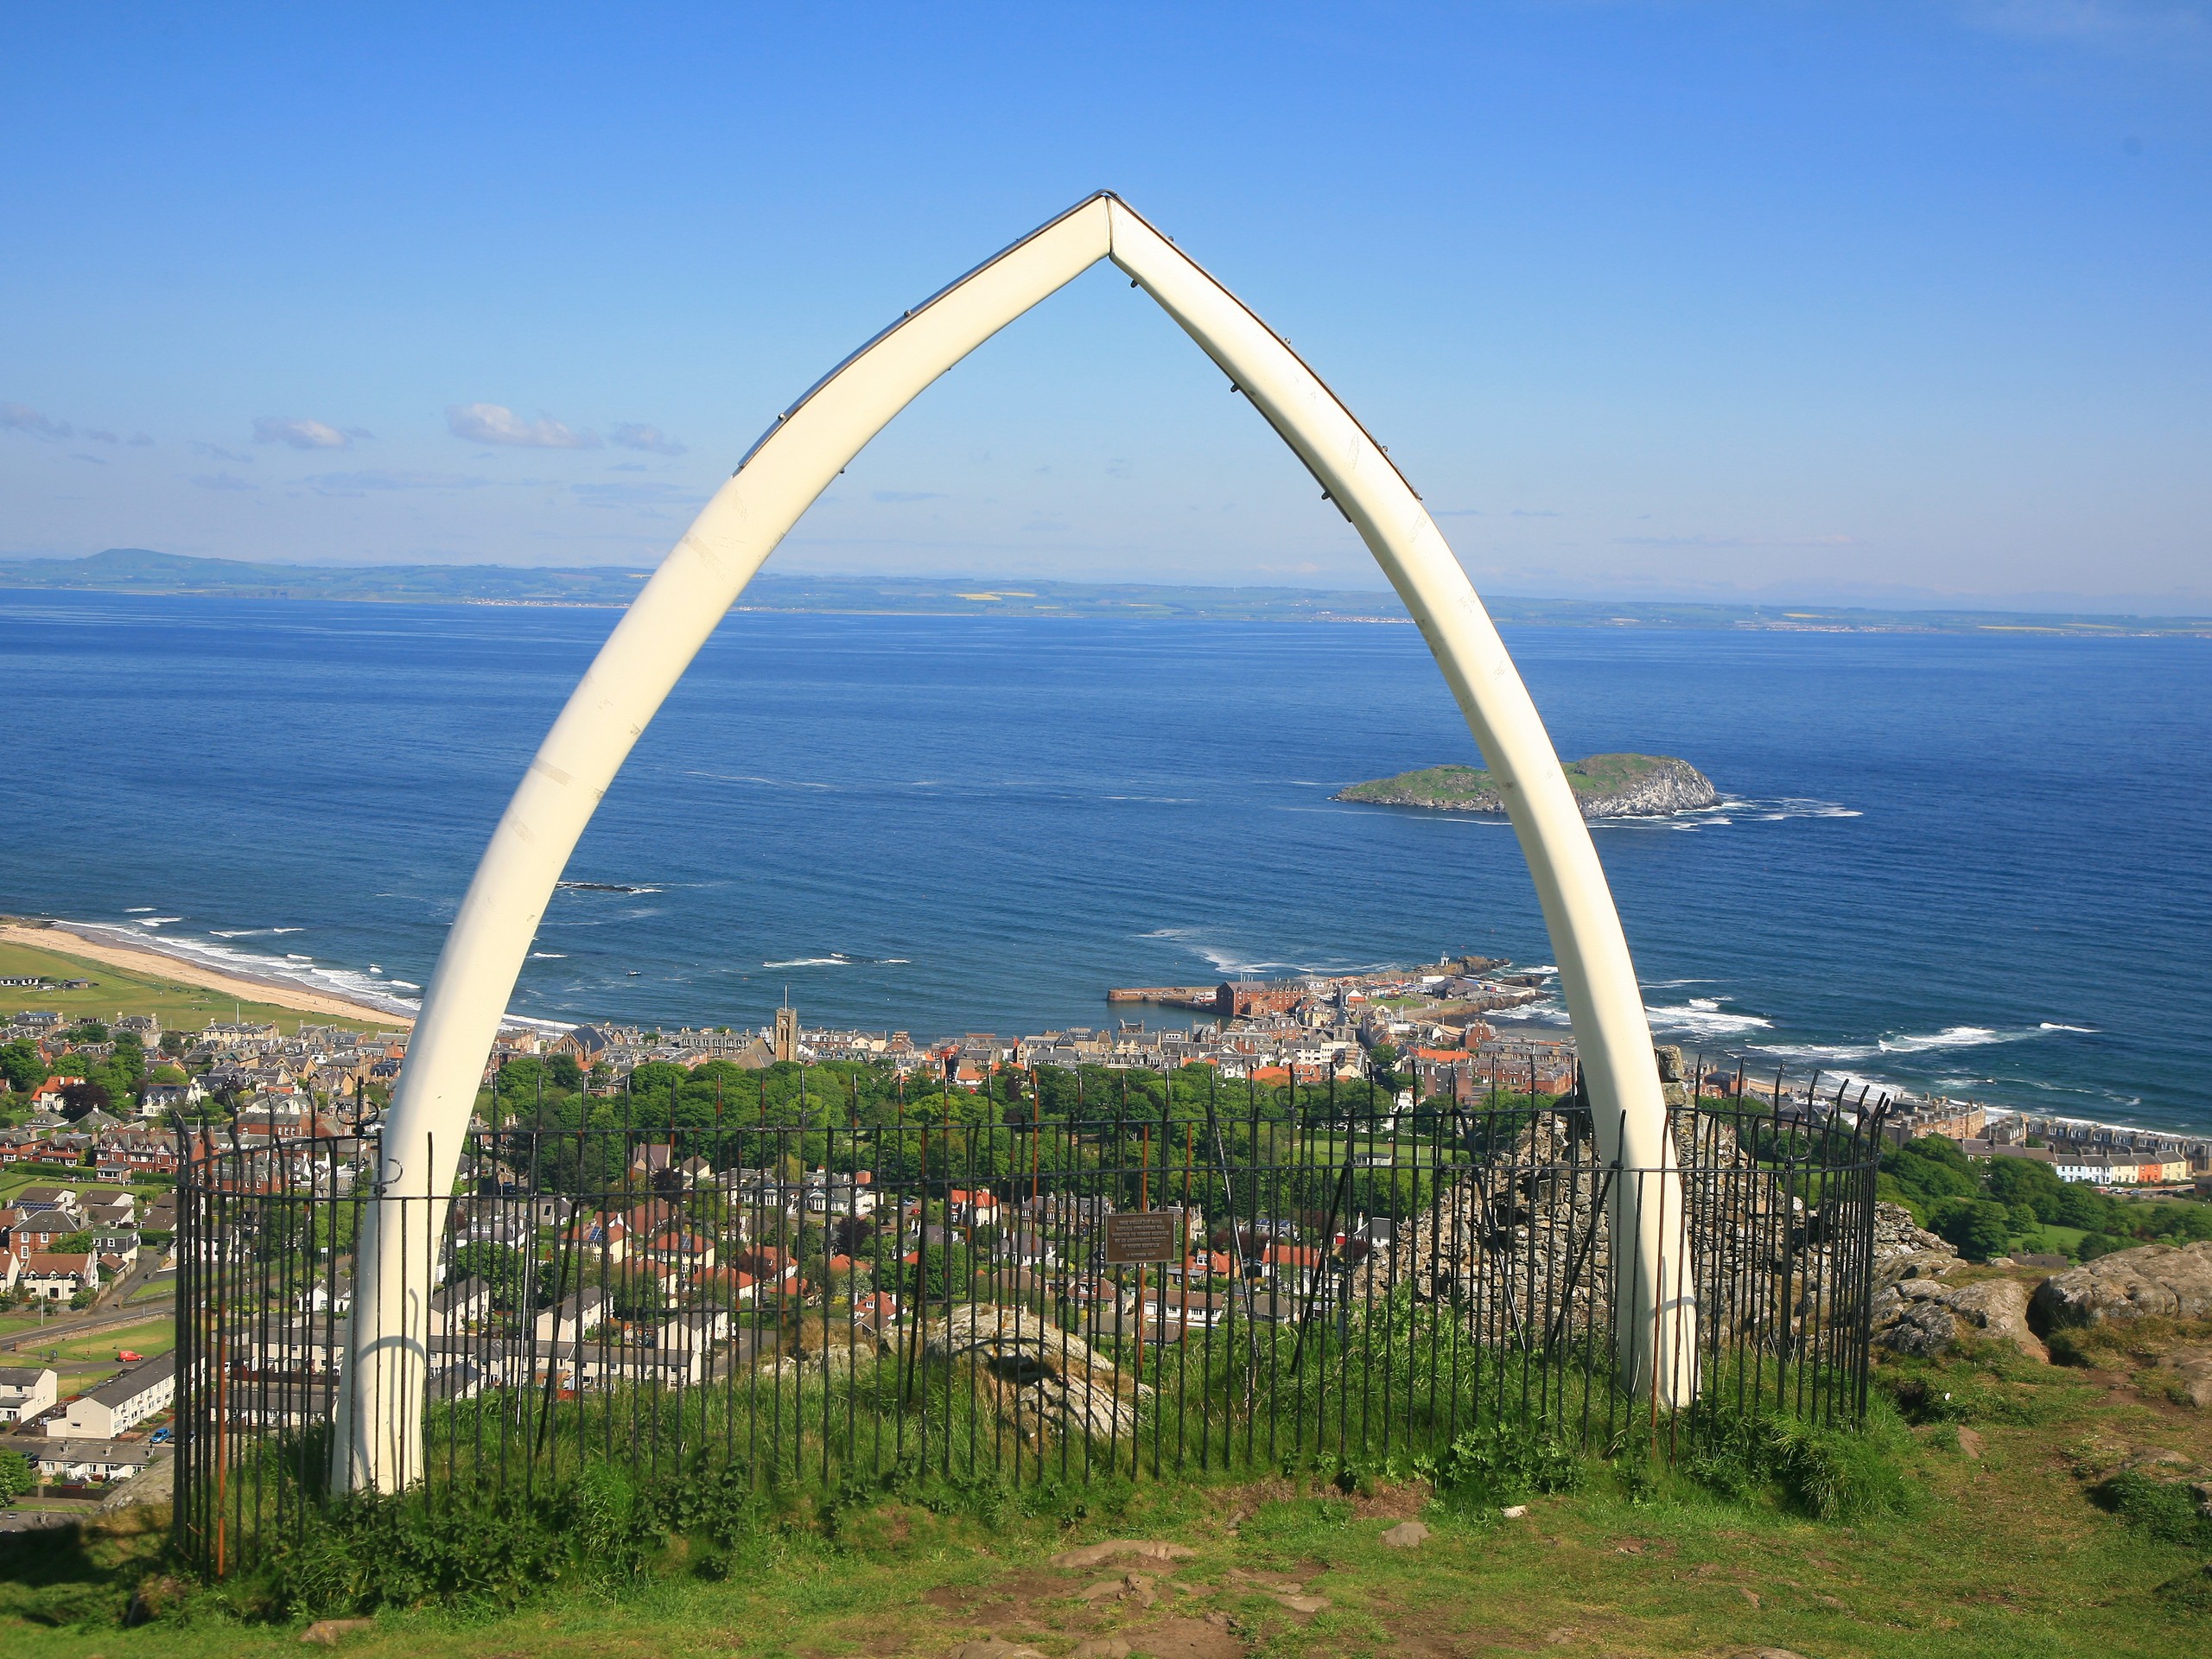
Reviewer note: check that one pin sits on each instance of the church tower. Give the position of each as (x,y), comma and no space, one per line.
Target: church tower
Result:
(787,1030)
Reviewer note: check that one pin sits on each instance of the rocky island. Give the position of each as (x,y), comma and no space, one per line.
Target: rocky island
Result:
(1606,786)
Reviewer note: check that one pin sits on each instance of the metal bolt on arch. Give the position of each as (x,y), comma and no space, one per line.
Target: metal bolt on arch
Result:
(385,1374)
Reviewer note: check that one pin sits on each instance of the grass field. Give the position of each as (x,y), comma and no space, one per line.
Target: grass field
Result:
(2002,1556)
(151,1337)
(117,991)
(81,1182)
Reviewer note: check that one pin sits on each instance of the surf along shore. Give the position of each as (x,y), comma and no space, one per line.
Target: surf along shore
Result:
(74,952)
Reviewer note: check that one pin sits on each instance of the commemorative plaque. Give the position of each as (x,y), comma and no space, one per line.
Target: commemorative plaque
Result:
(1135,1235)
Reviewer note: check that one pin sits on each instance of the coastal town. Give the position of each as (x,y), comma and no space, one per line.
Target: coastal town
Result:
(99,1118)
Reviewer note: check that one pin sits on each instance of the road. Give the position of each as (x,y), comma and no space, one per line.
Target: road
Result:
(103,1315)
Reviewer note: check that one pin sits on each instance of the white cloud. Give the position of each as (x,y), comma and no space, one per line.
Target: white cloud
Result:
(22,417)
(496,423)
(216,452)
(300,433)
(632,436)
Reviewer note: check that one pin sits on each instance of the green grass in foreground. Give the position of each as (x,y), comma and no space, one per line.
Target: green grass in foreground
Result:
(2004,1553)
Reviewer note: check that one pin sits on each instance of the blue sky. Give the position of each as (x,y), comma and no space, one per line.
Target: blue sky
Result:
(1878,300)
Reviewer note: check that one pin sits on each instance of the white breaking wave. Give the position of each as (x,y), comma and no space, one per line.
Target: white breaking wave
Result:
(157,921)
(2052,1025)
(138,910)
(1949,1037)
(549,955)
(291,969)
(1704,1016)
(839,960)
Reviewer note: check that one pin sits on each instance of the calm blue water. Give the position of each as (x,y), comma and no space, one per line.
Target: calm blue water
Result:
(1981,864)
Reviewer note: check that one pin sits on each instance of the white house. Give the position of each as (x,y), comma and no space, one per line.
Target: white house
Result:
(26,1390)
(163,1099)
(458,1306)
(56,1278)
(573,1316)
(121,1403)
(75,1461)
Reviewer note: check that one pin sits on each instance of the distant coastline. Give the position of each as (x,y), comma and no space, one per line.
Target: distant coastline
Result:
(98,944)
(140,570)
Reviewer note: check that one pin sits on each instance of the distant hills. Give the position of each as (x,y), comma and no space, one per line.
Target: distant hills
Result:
(142,570)
(1606,786)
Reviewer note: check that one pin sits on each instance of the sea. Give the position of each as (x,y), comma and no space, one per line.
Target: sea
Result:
(1973,864)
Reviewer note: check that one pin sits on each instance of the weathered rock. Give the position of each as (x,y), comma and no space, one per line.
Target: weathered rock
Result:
(1916,1264)
(1406,1534)
(1045,1378)
(2152,1281)
(330,1632)
(1148,1550)
(1101,1647)
(993,1647)
(2187,1373)
(1924,1317)
(1896,1233)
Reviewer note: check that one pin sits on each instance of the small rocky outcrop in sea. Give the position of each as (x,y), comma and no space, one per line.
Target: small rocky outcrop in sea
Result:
(1606,786)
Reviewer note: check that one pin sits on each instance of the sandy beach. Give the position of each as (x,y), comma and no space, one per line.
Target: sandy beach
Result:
(184,971)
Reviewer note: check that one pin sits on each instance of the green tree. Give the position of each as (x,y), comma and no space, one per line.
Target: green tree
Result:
(945,1270)
(508,1273)
(16,1476)
(22,1063)
(1980,1228)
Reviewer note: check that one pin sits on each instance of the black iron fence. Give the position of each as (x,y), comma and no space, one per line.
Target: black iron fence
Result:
(830,1304)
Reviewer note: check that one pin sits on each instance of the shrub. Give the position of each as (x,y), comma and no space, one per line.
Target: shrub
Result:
(1829,1473)
(1502,1463)
(2167,1509)
(479,1549)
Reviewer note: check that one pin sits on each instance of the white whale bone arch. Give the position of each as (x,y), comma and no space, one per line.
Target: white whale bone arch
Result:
(382,1385)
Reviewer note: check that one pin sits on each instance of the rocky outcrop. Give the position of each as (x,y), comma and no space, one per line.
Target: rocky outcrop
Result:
(1925,1317)
(1606,786)
(2151,1281)
(1046,1380)
(1898,1234)
(2187,1374)
(1521,1243)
